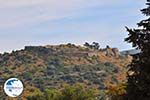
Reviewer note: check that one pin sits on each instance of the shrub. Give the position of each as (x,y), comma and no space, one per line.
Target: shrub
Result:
(75,92)
(116,92)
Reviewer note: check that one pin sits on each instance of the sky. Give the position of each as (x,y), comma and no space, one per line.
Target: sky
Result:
(43,22)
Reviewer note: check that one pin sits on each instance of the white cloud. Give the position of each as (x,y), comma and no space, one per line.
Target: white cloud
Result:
(19,3)
(17,13)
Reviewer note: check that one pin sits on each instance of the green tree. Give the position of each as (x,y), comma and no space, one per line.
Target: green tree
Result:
(94,45)
(52,94)
(78,92)
(87,45)
(116,92)
(36,95)
(138,87)
(68,92)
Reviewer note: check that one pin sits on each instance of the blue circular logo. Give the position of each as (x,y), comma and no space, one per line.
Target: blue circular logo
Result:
(13,87)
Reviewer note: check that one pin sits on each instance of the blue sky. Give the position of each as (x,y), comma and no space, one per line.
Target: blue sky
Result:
(42,22)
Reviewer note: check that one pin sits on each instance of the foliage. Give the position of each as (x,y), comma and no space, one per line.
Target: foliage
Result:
(78,92)
(116,92)
(75,92)
(35,94)
(52,94)
(138,87)
(49,67)
(94,45)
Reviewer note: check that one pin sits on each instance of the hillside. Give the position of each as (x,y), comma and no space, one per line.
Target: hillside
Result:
(51,66)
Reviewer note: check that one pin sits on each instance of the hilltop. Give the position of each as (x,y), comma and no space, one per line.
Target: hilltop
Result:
(51,66)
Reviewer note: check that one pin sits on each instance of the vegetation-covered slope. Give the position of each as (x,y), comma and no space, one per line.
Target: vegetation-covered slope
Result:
(43,67)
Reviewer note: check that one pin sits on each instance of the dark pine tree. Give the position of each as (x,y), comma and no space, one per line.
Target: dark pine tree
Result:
(138,86)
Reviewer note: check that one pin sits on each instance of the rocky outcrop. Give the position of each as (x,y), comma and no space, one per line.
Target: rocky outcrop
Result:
(111,51)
